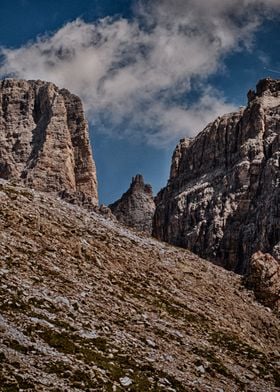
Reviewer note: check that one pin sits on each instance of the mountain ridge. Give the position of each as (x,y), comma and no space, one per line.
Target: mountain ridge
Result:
(222,196)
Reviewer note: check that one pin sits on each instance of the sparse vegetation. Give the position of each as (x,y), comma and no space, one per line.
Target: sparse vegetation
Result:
(122,307)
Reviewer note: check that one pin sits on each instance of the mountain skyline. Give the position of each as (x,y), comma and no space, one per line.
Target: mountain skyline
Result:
(148,74)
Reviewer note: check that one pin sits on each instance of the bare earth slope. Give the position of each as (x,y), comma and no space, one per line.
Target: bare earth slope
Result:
(87,305)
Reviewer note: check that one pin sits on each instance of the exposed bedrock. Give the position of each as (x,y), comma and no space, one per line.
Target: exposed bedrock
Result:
(136,207)
(222,200)
(44,139)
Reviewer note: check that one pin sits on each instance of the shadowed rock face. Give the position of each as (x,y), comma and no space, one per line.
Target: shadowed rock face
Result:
(44,138)
(136,207)
(222,200)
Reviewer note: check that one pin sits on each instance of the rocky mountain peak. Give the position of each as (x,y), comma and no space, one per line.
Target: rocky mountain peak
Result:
(223,196)
(136,206)
(138,185)
(44,138)
(265,88)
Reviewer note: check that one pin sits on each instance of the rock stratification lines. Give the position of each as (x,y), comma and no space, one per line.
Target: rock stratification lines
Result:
(222,200)
(44,139)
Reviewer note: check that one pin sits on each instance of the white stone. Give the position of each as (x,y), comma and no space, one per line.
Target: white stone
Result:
(125,381)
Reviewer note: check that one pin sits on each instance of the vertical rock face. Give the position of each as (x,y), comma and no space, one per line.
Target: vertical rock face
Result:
(136,207)
(222,200)
(44,138)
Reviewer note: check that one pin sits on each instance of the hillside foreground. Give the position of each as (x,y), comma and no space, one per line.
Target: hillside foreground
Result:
(88,305)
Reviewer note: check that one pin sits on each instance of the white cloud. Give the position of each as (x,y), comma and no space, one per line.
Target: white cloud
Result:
(132,74)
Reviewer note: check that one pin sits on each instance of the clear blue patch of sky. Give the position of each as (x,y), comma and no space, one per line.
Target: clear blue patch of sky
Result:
(23,20)
(243,69)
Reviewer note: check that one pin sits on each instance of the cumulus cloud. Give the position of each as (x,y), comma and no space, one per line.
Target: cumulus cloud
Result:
(137,77)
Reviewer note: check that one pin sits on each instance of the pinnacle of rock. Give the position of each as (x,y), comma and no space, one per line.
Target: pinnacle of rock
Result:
(265,88)
(136,207)
(44,138)
(223,195)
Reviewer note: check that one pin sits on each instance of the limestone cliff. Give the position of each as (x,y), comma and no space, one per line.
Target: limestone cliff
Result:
(222,200)
(136,207)
(44,140)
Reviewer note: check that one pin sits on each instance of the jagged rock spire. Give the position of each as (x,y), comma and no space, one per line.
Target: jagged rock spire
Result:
(136,207)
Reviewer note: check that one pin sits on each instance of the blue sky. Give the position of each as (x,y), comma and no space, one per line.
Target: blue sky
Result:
(149,72)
